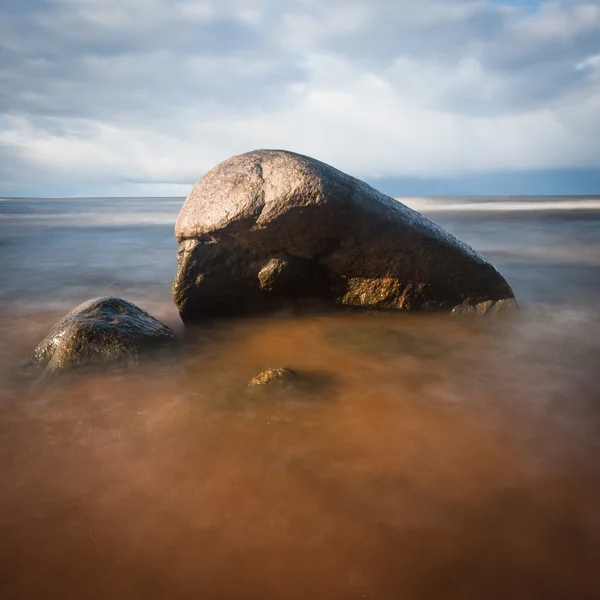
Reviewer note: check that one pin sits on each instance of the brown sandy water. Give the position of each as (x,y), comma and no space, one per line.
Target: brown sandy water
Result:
(442,458)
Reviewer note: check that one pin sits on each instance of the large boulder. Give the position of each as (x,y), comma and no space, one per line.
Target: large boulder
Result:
(268,227)
(101,331)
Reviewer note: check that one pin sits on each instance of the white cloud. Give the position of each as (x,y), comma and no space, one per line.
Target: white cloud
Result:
(423,89)
(201,11)
(557,22)
(591,62)
(364,125)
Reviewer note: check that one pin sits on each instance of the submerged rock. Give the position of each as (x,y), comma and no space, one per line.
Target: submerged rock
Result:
(305,385)
(101,331)
(272,378)
(272,227)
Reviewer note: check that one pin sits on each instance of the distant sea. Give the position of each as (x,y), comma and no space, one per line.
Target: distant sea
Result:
(64,250)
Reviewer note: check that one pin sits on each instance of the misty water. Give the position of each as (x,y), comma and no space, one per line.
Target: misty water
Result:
(442,457)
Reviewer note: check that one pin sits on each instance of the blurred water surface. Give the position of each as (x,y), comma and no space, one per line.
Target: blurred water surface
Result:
(445,457)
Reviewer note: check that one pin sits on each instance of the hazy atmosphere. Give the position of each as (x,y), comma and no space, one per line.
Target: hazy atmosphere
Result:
(141,97)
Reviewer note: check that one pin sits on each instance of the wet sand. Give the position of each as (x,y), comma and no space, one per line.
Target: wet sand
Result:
(443,458)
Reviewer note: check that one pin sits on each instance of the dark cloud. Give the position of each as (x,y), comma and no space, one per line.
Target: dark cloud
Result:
(62,61)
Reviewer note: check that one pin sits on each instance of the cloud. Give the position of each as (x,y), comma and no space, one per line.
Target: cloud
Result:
(555,24)
(112,94)
(591,62)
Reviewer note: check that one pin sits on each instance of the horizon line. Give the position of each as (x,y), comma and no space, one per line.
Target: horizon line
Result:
(395,197)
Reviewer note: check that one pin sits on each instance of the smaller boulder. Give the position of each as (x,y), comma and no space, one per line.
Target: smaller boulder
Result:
(100,332)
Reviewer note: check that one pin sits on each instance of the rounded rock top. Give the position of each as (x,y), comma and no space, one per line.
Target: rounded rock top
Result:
(101,331)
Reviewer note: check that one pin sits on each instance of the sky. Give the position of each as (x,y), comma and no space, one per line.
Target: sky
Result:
(427,97)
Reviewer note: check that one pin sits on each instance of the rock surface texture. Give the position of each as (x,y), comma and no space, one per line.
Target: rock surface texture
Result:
(102,331)
(268,227)
(272,377)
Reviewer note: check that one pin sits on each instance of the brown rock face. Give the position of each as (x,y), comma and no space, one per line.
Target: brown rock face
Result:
(271,227)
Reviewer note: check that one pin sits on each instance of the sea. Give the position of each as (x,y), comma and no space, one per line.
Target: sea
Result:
(462,464)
